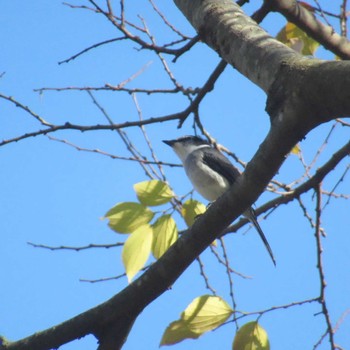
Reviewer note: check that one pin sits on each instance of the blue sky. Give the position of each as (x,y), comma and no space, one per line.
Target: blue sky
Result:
(54,195)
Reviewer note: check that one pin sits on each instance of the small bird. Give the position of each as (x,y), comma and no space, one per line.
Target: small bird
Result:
(211,173)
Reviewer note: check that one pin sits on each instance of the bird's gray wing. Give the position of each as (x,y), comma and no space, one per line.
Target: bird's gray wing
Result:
(219,163)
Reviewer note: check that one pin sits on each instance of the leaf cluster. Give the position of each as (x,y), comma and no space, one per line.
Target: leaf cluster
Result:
(149,231)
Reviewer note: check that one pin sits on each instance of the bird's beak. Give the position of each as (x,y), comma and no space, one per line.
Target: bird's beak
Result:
(169,142)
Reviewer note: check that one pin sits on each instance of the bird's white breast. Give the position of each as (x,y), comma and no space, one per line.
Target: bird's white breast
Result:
(206,182)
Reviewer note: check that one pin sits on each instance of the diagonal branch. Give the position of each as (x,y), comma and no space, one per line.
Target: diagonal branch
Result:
(308,185)
(307,21)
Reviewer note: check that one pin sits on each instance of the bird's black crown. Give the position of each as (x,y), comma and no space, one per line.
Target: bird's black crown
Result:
(192,139)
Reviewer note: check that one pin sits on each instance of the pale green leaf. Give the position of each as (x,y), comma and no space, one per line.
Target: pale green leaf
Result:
(205,313)
(294,37)
(191,209)
(251,336)
(164,235)
(136,250)
(127,216)
(177,331)
(153,192)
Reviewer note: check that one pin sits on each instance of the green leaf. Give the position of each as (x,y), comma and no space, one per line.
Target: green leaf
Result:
(176,332)
(204,314)
(136,250)
(127,216)
(251,336)
(164,235)
(153,192)
(294,37)
(191,209)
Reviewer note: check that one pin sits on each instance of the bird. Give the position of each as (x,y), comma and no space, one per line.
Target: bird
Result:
(211,173)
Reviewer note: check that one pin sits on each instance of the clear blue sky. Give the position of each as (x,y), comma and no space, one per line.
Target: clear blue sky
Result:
(54,195)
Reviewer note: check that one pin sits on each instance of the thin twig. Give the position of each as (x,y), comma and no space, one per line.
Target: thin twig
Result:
(279,307)
(105,42)
(323,284)
(229,277)
(341,179)
(77,249)
(26,109)
(110,155)
(344,19)
(149,143)
(222,262)
(205,277)
(105,279)
(122,134)
(166,22)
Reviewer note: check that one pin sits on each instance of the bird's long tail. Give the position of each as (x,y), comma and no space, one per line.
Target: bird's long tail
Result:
(250,214)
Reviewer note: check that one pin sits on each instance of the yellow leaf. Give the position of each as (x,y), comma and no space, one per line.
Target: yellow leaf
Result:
(191,209)
(204,314)
(176,332)
(127,216)
(251,336)
(296,149)
(153,192)
(164,235)
(136,250)
(294,37)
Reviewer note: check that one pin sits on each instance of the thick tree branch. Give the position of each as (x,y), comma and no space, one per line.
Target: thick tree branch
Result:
(290,80)
(225,28)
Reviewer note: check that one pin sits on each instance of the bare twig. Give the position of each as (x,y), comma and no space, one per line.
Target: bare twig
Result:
(105,279)
(274,308)
(110,87)
(205,277)
(26,109)
(129,146)
(149,144)
(105,42)
(85,128)
(222,262)
(110,155)
(229,277)
(318,177)
(208,86)
(323,284)
(344,18)
(143,44)
(166,22)
(341,179)
(77,249)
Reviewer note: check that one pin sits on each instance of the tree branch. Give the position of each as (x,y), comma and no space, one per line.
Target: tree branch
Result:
(291,195)
(306,20)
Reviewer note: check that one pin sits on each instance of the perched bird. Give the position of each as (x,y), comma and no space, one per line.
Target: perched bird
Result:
(211,173)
